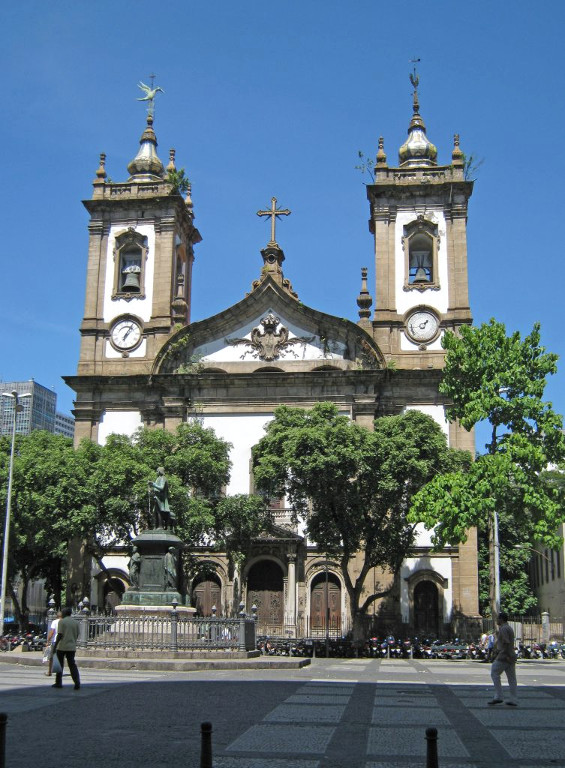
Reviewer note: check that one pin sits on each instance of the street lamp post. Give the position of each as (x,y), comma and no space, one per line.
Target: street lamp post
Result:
(17,409)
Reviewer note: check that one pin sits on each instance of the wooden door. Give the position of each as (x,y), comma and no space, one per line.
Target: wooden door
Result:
(206,594)
(426,609)
(265,591)
(324,596)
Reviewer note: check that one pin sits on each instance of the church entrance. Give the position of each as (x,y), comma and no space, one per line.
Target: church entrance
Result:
(265,590)
(325,605)
(426,609)
(206,594)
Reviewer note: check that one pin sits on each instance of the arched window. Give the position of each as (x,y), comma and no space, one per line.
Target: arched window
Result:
(129,257)
(420,242)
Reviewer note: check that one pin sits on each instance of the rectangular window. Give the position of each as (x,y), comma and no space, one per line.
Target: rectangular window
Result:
(546,566)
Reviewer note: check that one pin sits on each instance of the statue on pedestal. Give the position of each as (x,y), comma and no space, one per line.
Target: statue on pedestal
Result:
(164,518)
(171,569)
(134,566)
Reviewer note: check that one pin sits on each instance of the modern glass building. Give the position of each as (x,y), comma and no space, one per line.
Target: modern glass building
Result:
(39,410)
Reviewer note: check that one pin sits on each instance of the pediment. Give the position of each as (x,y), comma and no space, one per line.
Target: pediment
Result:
(268,328)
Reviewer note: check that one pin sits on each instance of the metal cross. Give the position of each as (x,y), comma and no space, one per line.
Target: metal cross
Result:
(274,213)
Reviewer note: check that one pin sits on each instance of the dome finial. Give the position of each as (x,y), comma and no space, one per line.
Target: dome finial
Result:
(417,150)
(146,165)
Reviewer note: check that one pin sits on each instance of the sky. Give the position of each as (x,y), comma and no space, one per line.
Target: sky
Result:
(267,100)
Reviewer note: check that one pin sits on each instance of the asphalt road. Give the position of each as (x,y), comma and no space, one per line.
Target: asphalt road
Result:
(349,713)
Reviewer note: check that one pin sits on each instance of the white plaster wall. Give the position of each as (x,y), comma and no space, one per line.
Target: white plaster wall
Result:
(138,352)
(218,351)
(442,566)
(437,412)
(407,299)
(243,431)
(423,536)
(119,423)
(139,307)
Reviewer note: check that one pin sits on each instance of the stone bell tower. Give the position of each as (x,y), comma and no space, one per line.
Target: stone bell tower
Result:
(419,220)
(140,260)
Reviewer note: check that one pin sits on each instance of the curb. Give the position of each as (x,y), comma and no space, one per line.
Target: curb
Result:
(165,665)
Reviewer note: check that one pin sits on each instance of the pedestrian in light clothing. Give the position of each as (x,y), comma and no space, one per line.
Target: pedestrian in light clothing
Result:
(52,639)
(505,661)
(65,647)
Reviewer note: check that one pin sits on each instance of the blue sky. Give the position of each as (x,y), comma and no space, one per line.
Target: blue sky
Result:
(266,100)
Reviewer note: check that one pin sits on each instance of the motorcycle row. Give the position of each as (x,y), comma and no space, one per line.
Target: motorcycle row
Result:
(392,648)
(29,641)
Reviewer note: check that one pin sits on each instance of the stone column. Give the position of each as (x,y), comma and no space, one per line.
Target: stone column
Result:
(291,591)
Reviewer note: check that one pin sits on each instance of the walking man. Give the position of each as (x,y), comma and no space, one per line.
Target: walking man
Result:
(65,647)
(505,661)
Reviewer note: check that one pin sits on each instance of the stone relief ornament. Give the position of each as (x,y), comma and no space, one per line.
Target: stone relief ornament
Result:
(268,344)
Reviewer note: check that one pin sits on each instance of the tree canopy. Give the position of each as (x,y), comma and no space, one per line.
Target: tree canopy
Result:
(353,486)
(490,376)
(99,493)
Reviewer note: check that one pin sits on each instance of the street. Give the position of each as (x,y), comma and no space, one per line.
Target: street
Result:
(359,713)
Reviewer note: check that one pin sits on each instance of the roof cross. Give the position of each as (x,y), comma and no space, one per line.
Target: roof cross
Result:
(274,213)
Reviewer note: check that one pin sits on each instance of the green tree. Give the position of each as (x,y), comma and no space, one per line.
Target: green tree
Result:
(47,487)
(353,486)
(500,379)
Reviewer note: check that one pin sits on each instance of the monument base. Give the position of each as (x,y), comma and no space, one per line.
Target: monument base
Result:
(162,609)
(146,598)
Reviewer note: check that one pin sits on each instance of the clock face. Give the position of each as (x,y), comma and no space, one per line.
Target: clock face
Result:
(422,326)
(126,334)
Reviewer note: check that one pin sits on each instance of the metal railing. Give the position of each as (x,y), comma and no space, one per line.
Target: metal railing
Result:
(171,633)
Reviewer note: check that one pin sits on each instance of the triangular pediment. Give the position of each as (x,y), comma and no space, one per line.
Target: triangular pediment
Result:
(269,327)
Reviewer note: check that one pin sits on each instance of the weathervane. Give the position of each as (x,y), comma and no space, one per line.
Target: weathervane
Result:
(415,80)
(150,91)
(274,213)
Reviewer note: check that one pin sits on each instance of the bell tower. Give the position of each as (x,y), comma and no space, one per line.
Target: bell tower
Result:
(140,256)
(419,218)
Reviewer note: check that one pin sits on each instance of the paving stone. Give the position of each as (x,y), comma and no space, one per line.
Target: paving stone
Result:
(317,698)
(279,739)
(326,690)
(260,762)
(516,716)
(423,702)
(541,743)
(399,741)
(306,713)
(419,764)
(424,716)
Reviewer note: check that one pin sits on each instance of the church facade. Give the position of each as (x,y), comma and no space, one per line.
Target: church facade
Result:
(144,362)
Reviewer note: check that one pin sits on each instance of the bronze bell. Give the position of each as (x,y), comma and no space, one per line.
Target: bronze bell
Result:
(131,283)
(421,276)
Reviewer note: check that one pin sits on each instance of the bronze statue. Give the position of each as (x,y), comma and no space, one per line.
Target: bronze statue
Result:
(170,569)
(134,566)
(164,518)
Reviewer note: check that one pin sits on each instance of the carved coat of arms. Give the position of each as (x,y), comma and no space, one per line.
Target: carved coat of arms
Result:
(268,344)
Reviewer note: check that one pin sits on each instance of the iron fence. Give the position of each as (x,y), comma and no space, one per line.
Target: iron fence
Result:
(171,633)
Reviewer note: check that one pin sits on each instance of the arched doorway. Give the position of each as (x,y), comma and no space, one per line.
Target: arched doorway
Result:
(265,590)
(426,609)
(206,593)
(114,589)
(325,604)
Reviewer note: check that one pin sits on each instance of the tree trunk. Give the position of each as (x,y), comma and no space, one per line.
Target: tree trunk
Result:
(492,567)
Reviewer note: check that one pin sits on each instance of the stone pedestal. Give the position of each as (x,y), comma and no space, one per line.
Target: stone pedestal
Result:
(156,589)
